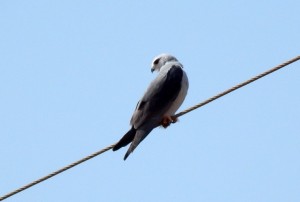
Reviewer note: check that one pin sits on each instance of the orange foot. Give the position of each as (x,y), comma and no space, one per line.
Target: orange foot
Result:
(167,120)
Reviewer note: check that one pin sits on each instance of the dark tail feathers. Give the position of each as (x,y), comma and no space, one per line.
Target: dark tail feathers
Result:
(126,139)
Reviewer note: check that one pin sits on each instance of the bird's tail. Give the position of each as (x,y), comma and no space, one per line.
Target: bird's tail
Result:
(138,138)
(126,139)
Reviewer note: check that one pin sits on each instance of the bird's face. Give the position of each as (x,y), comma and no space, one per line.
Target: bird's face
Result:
(161,60)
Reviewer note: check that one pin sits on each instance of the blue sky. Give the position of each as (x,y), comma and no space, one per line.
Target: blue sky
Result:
(73,71)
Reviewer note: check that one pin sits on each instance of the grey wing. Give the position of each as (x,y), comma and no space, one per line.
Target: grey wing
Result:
(158,98)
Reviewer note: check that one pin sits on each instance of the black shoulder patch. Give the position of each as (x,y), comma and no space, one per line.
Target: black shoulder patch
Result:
(169,89)
(172,85)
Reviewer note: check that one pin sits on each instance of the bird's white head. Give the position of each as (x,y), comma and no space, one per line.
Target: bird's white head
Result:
(161,60)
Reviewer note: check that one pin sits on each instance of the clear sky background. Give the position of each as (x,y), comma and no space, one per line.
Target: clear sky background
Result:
(71,73)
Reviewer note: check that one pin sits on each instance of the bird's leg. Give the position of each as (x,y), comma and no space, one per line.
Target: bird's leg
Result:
(167,120)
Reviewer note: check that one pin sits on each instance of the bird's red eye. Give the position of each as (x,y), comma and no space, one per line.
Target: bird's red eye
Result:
(156,61)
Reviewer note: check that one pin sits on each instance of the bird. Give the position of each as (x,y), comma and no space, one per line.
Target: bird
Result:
(161,100)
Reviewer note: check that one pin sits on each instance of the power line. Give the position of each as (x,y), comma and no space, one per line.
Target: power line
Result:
(238,86)
(57,172)
(177,115)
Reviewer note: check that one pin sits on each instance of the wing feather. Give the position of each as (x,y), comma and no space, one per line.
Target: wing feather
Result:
(158,97)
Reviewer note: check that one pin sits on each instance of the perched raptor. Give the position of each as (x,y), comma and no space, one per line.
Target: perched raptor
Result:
(159,103)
